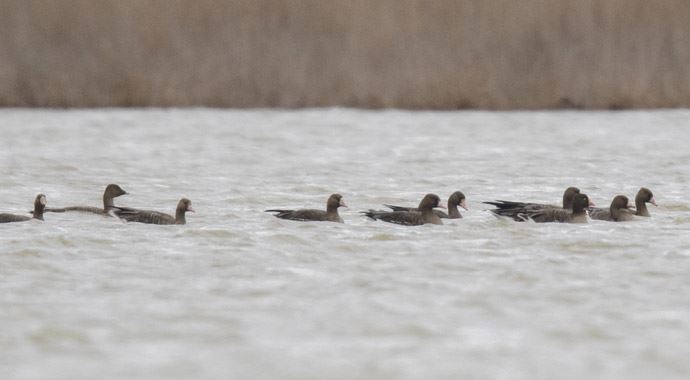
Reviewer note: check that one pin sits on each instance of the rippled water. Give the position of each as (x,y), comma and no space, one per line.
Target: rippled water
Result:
(238,293)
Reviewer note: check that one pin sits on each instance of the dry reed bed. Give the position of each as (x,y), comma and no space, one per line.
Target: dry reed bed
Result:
(441,54)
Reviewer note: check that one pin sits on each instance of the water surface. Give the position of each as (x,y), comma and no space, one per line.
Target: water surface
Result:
(238,293)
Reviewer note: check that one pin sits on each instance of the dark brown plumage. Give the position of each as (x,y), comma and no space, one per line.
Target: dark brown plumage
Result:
(620,209)
(643,197)
(518,210)
(155,217)
(577,214)
(111,191)
(456,199)
(600,213)
(39,206)
(423,215)
(311,215)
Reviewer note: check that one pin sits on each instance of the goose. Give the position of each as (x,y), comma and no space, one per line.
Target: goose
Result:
(111,191)
(155,217)
(515,210)
(456,199)
(577,214)
(39,206)
(423,215)
(312,215)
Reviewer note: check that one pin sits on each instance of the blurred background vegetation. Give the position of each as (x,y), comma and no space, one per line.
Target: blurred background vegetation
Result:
(440,54)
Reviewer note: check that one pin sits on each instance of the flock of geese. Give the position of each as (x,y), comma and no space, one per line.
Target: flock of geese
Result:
(111,192)
(576,208)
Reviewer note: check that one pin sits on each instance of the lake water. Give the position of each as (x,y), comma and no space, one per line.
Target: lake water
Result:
(238,293)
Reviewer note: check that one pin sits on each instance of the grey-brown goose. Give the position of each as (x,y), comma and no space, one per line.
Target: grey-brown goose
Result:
(312,215)
(39,206)
(620,209)
(456,199)
(644,196)
(155,217)
(577,214)
(517,210)
(423,215)
(111,191)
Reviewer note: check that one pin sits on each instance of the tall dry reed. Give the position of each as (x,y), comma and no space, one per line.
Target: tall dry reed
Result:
(440,54)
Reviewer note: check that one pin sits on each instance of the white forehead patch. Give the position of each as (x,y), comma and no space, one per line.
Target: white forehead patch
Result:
(43,200)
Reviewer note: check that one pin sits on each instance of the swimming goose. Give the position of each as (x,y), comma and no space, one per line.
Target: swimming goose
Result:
(620,209)
(577,214)
(155,217)
(39,206)
(423,215)
(311,215)
(456,199)
(644,196)
(111,191)
(514,210)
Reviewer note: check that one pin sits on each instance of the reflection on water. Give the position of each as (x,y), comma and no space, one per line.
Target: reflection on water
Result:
(237,292)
